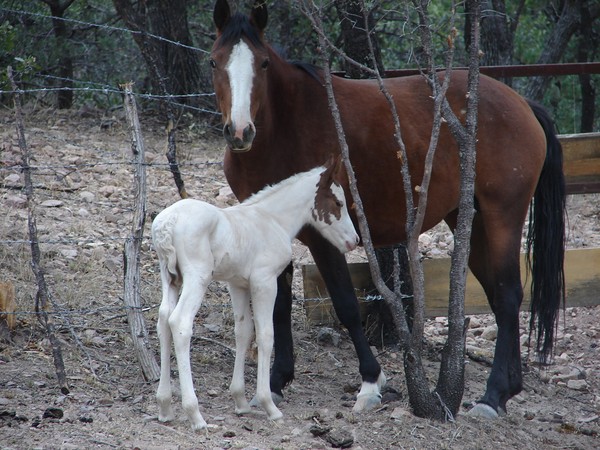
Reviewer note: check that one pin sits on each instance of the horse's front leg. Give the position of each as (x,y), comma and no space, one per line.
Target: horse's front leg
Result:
(334,270)
(282,373)
(181,322)
(242,314)
(163,392)
(264,290)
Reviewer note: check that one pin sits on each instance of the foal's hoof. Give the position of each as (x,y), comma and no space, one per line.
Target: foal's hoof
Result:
(483,411)
(277,399)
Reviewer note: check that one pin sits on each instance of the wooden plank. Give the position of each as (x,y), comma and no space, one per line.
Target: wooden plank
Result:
(582,272)
(581,162)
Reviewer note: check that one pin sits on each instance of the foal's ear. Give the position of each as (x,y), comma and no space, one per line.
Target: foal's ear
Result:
(333,168)
(259,14)
(221,14)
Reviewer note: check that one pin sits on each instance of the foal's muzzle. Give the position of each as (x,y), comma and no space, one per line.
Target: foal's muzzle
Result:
(239,140)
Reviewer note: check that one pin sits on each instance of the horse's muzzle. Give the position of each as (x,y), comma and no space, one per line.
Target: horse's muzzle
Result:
(239,142)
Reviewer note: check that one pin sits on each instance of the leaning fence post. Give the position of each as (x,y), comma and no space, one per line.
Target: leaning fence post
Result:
(131,285)
(43,295)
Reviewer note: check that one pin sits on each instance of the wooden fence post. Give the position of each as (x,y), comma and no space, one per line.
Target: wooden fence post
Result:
(131,285)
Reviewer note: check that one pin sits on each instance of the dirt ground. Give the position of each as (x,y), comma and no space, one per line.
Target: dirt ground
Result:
(83,190)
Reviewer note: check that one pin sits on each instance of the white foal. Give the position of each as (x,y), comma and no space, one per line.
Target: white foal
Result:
(248,246)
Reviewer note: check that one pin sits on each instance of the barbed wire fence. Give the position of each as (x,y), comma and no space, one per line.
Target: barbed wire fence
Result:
(81,234)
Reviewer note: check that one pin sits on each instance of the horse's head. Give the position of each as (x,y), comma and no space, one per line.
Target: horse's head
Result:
(330,214)
(239,61)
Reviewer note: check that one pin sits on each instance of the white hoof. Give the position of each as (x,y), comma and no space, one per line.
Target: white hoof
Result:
(483,411)
(277,399)
(369,396)
(367,402)
(168,417)
(200,425)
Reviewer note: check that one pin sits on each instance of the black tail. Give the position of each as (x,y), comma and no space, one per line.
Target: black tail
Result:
(546,241)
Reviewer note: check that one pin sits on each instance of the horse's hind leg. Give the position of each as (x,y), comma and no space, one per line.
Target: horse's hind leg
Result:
(494,260)
(181,322)
(333,268)
(242,315)
(163,392)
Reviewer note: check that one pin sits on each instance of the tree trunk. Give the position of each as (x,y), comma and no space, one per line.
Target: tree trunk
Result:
(555,46)
(588,44)
(174,69)
(497,33)
(64,70)
(354,37)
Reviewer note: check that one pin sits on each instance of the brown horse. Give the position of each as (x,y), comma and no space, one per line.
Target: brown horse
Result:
(277,122)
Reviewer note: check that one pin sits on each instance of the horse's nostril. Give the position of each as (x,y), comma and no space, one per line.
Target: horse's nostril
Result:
(227,130)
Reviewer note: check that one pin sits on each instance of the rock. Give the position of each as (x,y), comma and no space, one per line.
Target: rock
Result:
(13,178)
(16,201)
(328,336)
(490,333)
(577,385)
(400,413)
(87,196)
(340,438)
(51,203)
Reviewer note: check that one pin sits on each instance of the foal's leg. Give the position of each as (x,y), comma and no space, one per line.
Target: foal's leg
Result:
(333,268)
(181,322)
(242,314)
(163,393)
(264,290)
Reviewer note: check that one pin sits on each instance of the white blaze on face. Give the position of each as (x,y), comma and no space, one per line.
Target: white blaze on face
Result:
(240,69)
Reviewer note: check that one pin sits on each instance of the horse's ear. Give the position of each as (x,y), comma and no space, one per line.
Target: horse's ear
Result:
(259,14)
(221,14)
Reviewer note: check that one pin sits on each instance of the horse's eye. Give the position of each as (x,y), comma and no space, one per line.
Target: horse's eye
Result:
(265,63)
(339,204)
(213,63)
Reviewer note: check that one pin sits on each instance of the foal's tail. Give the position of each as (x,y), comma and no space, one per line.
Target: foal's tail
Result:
(162,239)
(546,240)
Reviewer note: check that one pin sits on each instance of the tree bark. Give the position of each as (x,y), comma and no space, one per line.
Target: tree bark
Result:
(64,99)
(587,50)
(355,22)
(558,39)
(174,69)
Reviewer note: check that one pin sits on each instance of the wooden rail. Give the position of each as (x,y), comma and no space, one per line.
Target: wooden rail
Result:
(582,266)
(581,162)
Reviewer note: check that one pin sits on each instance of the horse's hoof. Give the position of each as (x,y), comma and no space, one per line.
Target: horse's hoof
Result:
(200,425)
(242,411)
(277,399)
(483,411)
(170,417)
(367,402)
(277,418)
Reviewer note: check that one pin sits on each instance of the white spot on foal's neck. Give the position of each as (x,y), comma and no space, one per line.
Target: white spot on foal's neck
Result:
(240,69)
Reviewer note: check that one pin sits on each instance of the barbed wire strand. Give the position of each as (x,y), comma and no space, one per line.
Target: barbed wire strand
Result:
(103,26)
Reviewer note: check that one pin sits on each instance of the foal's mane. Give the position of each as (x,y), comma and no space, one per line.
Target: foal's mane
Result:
(271,189)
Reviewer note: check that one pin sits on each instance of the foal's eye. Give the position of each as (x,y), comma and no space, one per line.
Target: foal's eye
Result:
(339,204)
(265,63)
(213,63)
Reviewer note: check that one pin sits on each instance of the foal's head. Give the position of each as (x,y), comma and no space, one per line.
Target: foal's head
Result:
(329,214)
(239,61)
